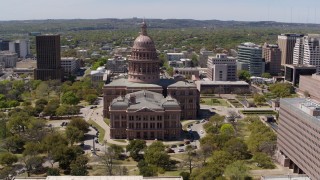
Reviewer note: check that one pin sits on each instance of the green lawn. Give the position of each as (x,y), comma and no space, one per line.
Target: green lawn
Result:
(213,102)
(107,121)
(256,112)
(101,130)
(235,103)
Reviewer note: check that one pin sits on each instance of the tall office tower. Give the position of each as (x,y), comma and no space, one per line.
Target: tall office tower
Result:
(272,56)
(311,53)
(21,47)
(286,44)
(222,68)
(4,45)
(250,58)
(298,136)
(48,58)
(298,51)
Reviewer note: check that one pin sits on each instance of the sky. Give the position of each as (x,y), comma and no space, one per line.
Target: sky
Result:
(303,11)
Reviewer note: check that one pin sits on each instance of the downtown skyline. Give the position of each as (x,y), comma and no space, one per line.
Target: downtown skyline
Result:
(244,10)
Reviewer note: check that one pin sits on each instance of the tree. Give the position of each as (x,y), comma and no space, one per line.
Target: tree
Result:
(8,159)
(51,107)
(281,90)
(217,120)
(227,129)
(40,104)
(134,147)
(32,149)
(108,160)
(32,163)
(74,134)
(156,155)
(79,166)
(190,159)
(259,99)
(91,98)
(147,170)
(237,148)
(220,160)
(79,123)
(244,75)
(236,171)
(266,75)
(263,160)
(53,172)
(70,98)
(232,115)
(13,143)
(185,175)
(118,150)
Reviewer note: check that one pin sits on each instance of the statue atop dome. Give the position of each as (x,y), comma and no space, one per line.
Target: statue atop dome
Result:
(144,29)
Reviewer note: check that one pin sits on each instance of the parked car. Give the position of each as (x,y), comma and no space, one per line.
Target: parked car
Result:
(197,122)
(180,150)
(169,150)
(180,145)
(203,120)
(173,146)
(187,142)
(96,141)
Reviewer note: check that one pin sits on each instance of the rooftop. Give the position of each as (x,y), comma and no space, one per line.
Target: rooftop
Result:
(102,178)
(286,177)
(305,107)
(208,82)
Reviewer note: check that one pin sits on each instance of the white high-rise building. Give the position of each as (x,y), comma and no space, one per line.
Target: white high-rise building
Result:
(311,55)
(298,51)
(307,51)
(21,47)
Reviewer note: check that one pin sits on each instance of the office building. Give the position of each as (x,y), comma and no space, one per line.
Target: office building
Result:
(4,45)
(298,141)
(222,68)
(286,44)
(175,56)
(298,51)
(117,64)
(21,47)
(311,51)
(187,72)
(310,84)
(250,58)
(48,58)
(292,72)
(153,95)
(8,59)
(70,65)
(272,57)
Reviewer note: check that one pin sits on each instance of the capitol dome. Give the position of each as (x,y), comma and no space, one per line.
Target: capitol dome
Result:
(143,62)
(143,41)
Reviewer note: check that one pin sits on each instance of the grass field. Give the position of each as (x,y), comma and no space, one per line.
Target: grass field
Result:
(257,112)
(213,102)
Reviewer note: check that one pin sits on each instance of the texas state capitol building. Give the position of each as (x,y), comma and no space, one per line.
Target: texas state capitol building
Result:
(144,106)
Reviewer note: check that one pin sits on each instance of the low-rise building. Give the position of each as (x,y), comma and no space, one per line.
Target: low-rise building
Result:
(70,65)
(82,53)
(175,56)
(97,75)
(222,87)
(187,72)
(8,59)
(117,64)
(25,66)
